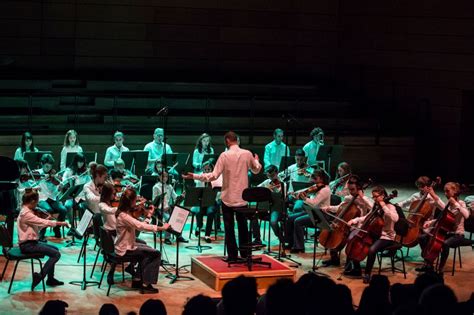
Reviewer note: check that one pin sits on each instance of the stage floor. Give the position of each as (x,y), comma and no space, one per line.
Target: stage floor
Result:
(23,301)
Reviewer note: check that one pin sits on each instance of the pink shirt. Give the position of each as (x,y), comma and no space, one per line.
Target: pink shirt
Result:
(29,224)
(126,226)
(233,164)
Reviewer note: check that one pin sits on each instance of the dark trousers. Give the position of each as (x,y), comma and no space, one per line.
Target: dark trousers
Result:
(451,241)
(230,241)
(149,260)
(378,246)
(210,212)
(34,247)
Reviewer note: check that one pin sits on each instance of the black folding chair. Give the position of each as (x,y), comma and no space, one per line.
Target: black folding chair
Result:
(15,254)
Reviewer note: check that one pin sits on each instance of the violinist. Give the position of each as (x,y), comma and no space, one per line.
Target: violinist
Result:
(456,236)
(158,167)
(300,171)
(126,244)
(210,212)
(275,185)
(364,204)
(26,145)
(114,152)
(390,217)
(275,149)
(29,223)
(312,148)
(93,188)
(107,195)
(123,175)
(317,196)
(71,144)
(169,199)
(339,186)
(50,186)
(76,174)
(156,148)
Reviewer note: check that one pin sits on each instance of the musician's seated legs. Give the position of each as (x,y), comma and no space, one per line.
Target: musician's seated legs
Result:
(275,224)
(423,241)
(298,235)
(53,254)
(298,206)
(452,241)
(334,260)
(378,246)
(290,227)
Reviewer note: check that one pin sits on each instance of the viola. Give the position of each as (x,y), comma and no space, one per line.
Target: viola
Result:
(360,240)
(275,185)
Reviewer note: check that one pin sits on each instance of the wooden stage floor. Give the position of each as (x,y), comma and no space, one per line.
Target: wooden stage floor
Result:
(23,301)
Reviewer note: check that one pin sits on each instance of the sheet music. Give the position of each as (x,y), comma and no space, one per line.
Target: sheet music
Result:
(178,218)
(84,223)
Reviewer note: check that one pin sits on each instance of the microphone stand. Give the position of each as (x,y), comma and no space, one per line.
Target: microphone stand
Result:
(284,195)
(163,113)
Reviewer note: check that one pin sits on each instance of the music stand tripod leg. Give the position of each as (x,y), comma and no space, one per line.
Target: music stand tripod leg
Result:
(176,276)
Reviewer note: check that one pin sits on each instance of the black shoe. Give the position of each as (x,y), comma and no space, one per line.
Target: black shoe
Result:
(52,282)
(232,259)
(258,243)
(130,269)
(331,262)
(149,289)
(355,273)
(207,239)
(168,242)
(36,280)
(287,246)
(366,279)
(297,251)
(70,232)
(57,232)
(43,239)
(424,268)
(182,240)
(197,232)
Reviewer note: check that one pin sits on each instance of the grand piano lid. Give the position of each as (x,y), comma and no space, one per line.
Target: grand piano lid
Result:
(9,170)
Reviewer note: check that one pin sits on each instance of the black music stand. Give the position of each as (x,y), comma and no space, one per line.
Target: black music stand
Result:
(180,159)
(177,221)
(90,156)
(329,154)
(319,220)
(72,192)
(136,161)
(201,197)
(285,162)
(34,158)
(82,232)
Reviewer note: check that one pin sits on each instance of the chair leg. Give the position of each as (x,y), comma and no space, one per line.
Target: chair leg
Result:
(192,225)
(459,253)
(5,269)
(13,276)
(95,262)
(379,259)
(41,271)
(103,272)
(454,261)
(123,273)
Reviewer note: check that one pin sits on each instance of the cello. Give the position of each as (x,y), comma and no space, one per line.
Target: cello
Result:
(444,225)
(361,239)
(419,212)
(337,237)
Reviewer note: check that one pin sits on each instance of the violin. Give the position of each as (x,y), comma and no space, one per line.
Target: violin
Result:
(35,176)
(52,177)
(275,185)
(360,240)
(41,213)
(143,208)
(301,194)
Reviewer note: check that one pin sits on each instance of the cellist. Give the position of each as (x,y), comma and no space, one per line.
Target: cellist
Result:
(458,208)
(364,204)
(422,183)
(390,217)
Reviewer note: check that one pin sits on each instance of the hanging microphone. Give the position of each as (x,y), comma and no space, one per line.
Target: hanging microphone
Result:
(163,110)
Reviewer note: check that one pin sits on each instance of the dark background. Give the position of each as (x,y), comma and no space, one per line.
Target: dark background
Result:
(391,80)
